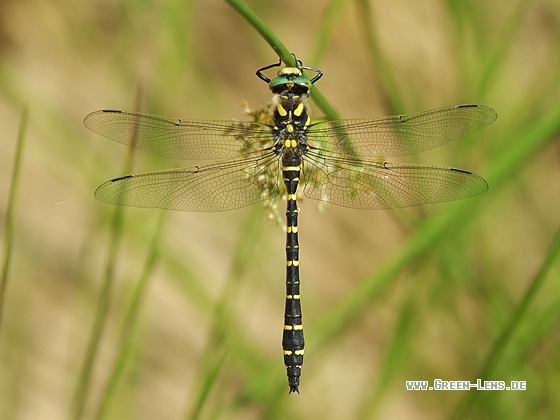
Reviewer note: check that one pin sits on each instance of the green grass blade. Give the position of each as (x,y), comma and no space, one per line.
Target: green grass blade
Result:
(280,49)
(84,380)
(325,31)
(268,35)
(10,212)
(389,90)
(510,327)
(212,366)
(130,320)
(221,332)
(505,42)
(397,354)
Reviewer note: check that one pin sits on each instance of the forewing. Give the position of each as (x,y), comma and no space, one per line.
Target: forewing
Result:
(179,139)
(350,182)
(400,135)
(217,187)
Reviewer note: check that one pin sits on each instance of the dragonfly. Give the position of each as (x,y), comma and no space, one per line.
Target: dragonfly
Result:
(339,161)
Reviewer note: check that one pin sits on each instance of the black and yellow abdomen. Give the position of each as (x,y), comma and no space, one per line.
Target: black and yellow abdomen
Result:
(292,339)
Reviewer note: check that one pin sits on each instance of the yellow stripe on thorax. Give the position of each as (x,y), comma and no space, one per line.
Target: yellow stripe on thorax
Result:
(281,110)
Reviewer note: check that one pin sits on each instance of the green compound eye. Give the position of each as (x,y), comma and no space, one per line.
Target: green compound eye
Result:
(298,84)
(302,81)
(277,81)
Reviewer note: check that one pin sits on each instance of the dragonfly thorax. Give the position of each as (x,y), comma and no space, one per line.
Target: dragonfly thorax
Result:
(291,121)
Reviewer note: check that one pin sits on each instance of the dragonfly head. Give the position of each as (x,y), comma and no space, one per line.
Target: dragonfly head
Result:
(290,79)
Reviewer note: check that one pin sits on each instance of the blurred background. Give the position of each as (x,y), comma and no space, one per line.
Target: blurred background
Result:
(142,314)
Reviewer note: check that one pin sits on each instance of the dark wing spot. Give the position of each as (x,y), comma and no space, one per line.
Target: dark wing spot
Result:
(121,177)
(460,170)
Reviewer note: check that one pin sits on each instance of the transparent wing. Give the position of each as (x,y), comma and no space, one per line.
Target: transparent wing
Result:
(218,187)
(351,182)
(400,135)
(179,139)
